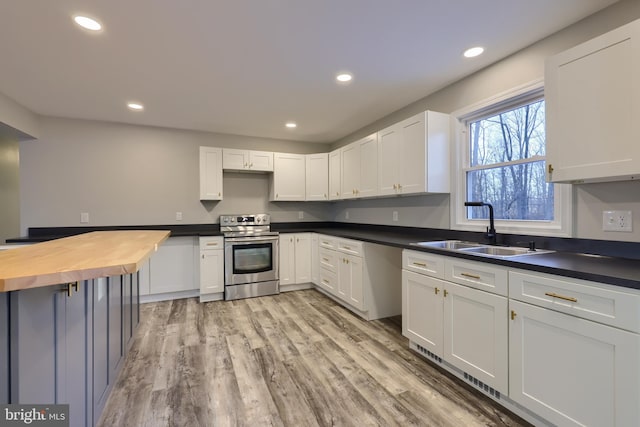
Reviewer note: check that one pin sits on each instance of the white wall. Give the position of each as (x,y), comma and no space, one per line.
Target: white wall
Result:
(9,188)
(518,69)
(130,175)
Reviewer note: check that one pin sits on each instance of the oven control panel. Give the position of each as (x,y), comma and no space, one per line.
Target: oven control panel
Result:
(244,220)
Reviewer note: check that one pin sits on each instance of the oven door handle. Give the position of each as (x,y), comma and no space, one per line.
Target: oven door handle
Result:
(251,239)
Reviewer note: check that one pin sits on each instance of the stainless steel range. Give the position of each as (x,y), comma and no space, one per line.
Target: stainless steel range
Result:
(250,256)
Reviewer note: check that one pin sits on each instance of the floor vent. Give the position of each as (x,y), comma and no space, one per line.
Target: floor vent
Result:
(427,353)
(481,386)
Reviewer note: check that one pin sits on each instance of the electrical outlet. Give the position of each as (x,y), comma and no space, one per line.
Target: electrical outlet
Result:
(84,217)
(346,214)
(178,216)
(300,215)
(617,221)
(395,215)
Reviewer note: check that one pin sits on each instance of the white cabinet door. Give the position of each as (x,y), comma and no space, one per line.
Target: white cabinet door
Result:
(211,271)
(211,265)
(317,176)
(302,258)
(368,166)
(172,266)
(423,162)
(388,155)
(422,311)
(315,259)
(592,94)
(571,371)
(288,179)
(350,281)
(335,170)
(350,172)
(287,259)
(210,173)
(261,161)
(476,334)
(233,159)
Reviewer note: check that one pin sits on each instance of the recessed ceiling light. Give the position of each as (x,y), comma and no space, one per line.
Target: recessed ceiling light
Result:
(344,77)
(474,51)
(291,125)
(135,106)
(88,23)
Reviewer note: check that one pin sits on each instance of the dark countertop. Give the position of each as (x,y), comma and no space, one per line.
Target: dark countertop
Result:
(614,263)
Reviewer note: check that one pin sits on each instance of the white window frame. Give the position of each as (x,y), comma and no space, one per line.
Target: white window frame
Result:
(562,224)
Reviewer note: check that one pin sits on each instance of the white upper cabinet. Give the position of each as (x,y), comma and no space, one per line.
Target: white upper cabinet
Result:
(317,176)
(335,172)
(360,168)
(210,173)
(288,179)
(247,160)
(413,155)
(592,96)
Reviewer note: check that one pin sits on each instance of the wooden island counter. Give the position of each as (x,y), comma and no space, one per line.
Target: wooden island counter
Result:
(68,310)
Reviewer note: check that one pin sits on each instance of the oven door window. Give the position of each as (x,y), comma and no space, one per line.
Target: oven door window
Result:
(252,258)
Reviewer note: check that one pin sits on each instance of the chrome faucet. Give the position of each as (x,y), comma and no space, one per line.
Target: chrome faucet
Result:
(491,230)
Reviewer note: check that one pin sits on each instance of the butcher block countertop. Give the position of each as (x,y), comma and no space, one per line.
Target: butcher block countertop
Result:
(82,257)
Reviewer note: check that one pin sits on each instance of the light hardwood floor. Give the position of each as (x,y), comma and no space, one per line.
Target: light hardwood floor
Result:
(294,359)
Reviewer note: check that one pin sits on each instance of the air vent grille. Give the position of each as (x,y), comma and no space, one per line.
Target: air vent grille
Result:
(427,353)
(481,386)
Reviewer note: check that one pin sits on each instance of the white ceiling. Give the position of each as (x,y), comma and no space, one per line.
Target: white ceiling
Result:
(248,66)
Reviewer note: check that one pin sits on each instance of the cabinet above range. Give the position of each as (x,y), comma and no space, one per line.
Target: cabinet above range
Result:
(247,160)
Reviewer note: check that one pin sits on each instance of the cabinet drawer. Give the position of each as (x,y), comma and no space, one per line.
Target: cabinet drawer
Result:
(328,280)
(328,259)
(423,263)
(479,275)
(351,247)
(580,298)
(328,242)
(211,242)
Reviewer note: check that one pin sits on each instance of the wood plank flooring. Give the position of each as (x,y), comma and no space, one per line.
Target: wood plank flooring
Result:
(294,359)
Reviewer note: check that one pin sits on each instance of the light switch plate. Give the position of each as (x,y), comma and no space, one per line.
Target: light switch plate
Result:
(617,221)
(84,217)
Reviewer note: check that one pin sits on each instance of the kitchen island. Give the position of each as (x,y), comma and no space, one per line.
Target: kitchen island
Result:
(68,310)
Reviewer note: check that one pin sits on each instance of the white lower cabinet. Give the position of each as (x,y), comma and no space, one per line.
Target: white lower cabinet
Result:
(295,258)
(211,268)
(566,368)
(315,263)
(464,326)
(361,276)
(172,270)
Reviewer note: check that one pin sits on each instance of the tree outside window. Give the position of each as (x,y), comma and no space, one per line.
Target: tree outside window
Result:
(507,165)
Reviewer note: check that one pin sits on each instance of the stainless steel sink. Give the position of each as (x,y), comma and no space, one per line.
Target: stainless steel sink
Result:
(480,249)
(451,245)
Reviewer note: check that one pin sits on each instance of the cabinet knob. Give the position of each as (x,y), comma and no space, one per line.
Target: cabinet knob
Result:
(69,288)
(395,186)
(513,315)
(250,165)
(550,168)
(337,193)
(437,290)
(219,194)
(446,293)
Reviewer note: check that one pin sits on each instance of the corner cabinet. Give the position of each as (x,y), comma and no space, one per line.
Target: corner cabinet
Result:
(210,173)
(592,94)
(288,179)
(413,155)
